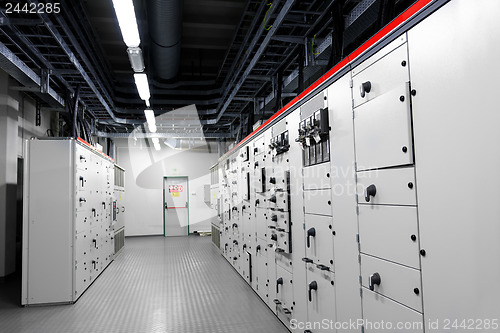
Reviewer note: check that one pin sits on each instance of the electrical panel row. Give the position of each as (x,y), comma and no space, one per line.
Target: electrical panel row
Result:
(329,212)
(69,219)
(118,209)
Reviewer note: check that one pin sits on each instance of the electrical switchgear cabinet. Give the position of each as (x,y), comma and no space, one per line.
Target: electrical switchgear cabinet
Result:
(67,219)
(384,174)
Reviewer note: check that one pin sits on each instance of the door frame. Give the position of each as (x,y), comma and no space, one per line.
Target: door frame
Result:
(163,205)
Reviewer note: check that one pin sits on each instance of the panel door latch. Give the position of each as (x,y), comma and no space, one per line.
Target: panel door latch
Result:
(374,280)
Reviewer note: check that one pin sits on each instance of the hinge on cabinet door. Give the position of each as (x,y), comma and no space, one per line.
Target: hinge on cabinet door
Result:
(357,208)
(352,103)
(350,83)
(357,236)
(360,280)
(355,166)
(353,110)
(359,256)
(361,292)
(304,226)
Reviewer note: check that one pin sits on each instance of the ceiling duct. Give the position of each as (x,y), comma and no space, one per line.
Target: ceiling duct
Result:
(165,29)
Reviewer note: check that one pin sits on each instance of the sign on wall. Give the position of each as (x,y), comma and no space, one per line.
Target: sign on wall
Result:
(175,190)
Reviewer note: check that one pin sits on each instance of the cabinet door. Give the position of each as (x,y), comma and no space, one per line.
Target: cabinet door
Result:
(317,177)
(284,288)
(261,276)
(384,71)
(390,232)
(392,187)
(261,225)
(320,293)
(383,134)
(377,308)
(395,281)
(319,239)
(318,202)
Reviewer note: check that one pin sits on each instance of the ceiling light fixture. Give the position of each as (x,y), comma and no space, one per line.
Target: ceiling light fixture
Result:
(125,14)
(141,81)
(136,59)
(156,143)
(147,103)
(150,118)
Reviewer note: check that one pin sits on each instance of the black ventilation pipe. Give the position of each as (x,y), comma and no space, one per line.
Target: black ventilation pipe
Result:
(165,29)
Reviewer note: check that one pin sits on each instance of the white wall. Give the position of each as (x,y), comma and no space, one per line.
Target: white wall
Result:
(144,171)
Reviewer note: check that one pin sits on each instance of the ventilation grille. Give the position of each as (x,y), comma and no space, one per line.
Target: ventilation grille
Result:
(119,240)
(215,236)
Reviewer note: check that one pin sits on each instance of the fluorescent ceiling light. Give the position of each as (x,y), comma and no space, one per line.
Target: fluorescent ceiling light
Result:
(141,82)
(125,14)
(156,143)
(147,103)
(150,118)
(136,59)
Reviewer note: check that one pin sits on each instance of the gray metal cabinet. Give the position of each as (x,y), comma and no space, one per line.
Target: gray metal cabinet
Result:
(67,226)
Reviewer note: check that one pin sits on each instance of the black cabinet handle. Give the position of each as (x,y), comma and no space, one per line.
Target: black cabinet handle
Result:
(235,242)
(277,301)
(257,202)
(94,263)
(82,180)
(234,208)
(312,286)
(244,246)
(374,280)
(95,242)
(370,191)
(257,249)
(235,225)
(323,267)
(93,211)
(365,88)
(281,229)
(273,199)
(272,227)
(307,260)
(310,233)
(272,180)
(103,205)
(286,311)
(83,200)
(235,258)
(278,282)
(279,250)
(274,218)
(274,237)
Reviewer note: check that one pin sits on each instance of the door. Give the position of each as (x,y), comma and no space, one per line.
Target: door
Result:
(176,203)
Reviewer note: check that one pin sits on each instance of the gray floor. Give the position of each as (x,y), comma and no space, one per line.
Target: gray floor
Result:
(157,284)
